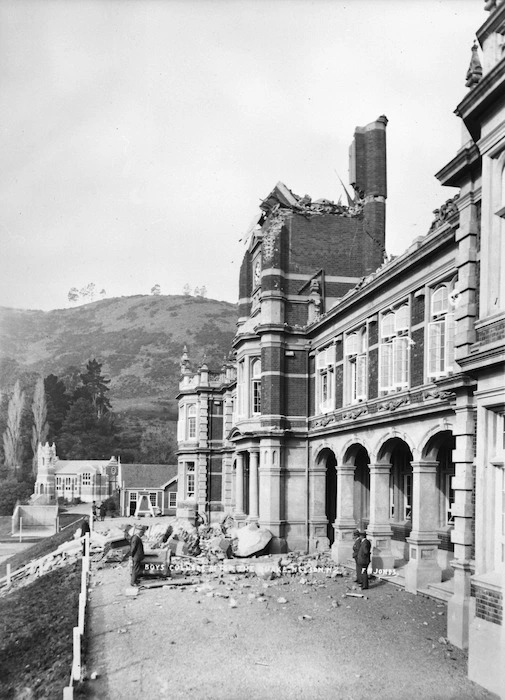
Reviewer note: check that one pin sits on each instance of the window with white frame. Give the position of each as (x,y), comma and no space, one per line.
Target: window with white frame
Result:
(191,422)
(256,387)
(86,479)
(153,498)
(325,378)
(394,350)
(440,333)
(172,499)
(190,479)
(356,360)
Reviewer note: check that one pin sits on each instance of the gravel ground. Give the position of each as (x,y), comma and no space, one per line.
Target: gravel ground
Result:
(176,643)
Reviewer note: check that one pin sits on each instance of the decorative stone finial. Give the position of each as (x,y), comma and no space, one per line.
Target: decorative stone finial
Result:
(491,5)
(474,73)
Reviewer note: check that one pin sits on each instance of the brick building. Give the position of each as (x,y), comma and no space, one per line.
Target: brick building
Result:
(371,392)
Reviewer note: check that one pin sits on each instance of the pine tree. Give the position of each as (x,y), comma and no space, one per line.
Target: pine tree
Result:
(95,386)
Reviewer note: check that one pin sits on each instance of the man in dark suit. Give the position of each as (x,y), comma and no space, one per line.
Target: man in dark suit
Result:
(137,554)
(84,531)
(355,550)
(363,559)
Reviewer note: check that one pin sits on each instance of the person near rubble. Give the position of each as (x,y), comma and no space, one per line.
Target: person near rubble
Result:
(363,559)
(355,550)
(85,529)
(102,510)
(93,510)
(137,554)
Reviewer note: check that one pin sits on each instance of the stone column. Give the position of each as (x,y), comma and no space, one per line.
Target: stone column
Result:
(460,606)
(423,568)
(379,528)
(253,487)
(239,487)
(271,491)
(318,533)
(341,549)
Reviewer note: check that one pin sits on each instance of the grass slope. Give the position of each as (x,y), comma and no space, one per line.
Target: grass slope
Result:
(36,624)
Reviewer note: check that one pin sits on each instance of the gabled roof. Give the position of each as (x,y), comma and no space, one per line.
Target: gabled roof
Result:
(77,466)
(147,476)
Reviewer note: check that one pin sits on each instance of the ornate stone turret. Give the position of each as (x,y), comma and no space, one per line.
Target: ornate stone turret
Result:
(474,73)
(45,484)
(185,363)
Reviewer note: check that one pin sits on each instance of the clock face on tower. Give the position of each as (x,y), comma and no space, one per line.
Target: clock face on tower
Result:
(256,272)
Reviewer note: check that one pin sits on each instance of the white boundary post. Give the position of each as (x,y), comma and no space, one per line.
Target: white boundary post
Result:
(82,611)
(76,663)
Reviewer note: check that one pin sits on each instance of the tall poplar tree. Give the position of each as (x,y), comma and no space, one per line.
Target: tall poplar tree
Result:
(40,426)
(13,447)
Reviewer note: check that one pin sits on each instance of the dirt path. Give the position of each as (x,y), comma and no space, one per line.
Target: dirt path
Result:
(176,643)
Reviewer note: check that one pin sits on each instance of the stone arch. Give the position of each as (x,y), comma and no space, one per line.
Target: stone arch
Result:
(387,442)
(357,455)
(350,447)
(431,440)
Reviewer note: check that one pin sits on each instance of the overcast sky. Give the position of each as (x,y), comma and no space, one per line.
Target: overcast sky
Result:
(138,137)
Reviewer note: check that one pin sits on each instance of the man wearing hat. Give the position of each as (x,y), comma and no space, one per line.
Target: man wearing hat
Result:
(363,559)
(137,553)
(355,550)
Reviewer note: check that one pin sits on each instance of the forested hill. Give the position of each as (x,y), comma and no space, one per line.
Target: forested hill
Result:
(138,339)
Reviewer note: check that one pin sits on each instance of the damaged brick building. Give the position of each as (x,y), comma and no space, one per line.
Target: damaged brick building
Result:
(366,391)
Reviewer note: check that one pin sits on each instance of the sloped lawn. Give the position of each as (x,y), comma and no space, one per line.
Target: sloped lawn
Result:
(36,634)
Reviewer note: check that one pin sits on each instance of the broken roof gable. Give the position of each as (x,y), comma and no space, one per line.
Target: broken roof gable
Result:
(279,195)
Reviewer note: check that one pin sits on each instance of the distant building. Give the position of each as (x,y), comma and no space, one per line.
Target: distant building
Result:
(143,488)
(88,479)
(371,392)
(148,489)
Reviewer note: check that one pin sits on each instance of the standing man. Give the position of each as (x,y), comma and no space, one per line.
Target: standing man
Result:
(102,510)
(84,531)
(137,554)
(363,559)
(355,550)
(93,510)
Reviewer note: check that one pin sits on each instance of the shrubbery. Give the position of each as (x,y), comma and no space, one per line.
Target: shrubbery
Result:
(12,491)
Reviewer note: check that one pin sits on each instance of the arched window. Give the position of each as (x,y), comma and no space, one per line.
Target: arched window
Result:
(440,333)
(191,422)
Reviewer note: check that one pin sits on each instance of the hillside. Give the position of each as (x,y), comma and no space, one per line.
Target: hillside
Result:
(138,339)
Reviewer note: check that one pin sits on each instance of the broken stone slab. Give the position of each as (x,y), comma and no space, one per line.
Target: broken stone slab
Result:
(250,540)
(131,592)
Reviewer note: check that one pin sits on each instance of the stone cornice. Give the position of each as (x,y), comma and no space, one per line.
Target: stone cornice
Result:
(457,169)
(481,97)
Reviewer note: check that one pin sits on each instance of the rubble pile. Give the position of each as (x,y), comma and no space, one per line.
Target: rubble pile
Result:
(67,553)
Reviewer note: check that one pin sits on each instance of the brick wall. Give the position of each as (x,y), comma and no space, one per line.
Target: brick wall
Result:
(296,314)
(488,604)
(492,332)
(373,333)
(312,385)
(339,386)
(373,373)
(445,542)
(417,310)
(296,396)
(417,358)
